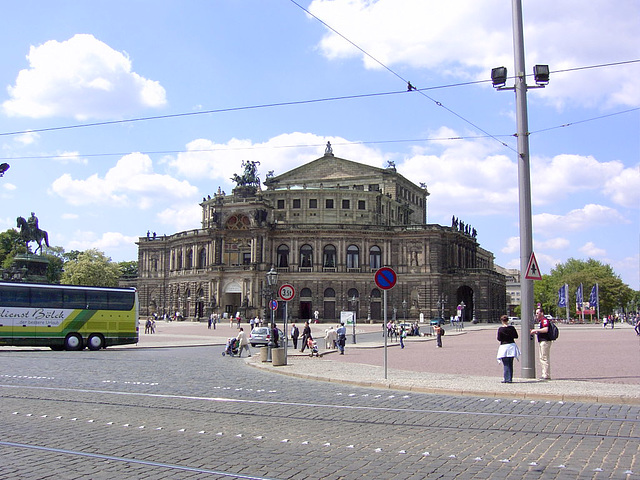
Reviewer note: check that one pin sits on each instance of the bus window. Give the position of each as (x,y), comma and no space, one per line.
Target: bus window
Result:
(121,300)
(97,300)
(75,299)
(46,297)
(11,296)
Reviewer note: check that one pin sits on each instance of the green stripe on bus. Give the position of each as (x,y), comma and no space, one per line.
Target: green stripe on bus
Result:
(78,322)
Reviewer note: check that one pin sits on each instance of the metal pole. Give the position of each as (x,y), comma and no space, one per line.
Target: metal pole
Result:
(524,186)
(384,329)
(286,334)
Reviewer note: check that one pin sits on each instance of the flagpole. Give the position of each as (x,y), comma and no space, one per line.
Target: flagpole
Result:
(598,299)
(566,295)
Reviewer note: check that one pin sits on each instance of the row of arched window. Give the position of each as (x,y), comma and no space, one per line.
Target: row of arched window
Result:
(188,260)
(329,256)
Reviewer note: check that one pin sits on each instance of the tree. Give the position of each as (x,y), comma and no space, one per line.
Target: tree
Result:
(9,247)
(613,293)
(91,267)
(129,269)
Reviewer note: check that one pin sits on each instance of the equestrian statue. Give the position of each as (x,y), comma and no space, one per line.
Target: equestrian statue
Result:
(30,232)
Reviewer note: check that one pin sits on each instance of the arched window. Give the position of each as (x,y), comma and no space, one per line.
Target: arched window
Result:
(329,256)
(179,262)
(353,256)
(375,257)
(375,293)
(189,263)
(282,260)
(305,293)
(202,258)
(329,293)
(306,256)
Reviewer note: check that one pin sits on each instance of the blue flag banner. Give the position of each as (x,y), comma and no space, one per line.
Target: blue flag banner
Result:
(562,296)
(579,297)
(593,297)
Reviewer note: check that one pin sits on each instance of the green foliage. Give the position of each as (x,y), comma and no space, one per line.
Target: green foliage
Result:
(613,293)
(9,247)
(91,267)
(129,269)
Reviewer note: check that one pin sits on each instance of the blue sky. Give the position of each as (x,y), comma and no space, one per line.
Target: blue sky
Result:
(70,63)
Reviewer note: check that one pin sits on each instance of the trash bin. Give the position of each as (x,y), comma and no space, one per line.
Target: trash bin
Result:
(277,357)
(264,352)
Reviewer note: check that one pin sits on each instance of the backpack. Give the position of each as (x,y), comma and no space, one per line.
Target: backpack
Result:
(552,333)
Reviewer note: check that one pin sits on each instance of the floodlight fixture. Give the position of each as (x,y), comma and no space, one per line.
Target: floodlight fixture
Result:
(541,74)
(499,77)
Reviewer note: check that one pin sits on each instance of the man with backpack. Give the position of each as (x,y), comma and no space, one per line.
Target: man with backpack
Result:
(544,343)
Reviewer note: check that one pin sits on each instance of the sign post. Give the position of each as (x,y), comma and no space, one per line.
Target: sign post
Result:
(385,279)
(286,293)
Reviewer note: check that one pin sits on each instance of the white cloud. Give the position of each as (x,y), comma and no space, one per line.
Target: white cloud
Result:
(70,157)
(589,217)
(479,36)
(82,240)
(553,244)
(27,138)
(182,217)
(512,246)
(624,188)
(219,161)
(590,250)
(131,182)
(81,77)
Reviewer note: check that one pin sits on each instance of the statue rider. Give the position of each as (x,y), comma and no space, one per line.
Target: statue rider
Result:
(32,221)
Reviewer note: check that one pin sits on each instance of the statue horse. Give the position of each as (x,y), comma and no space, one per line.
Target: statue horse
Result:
(27,235)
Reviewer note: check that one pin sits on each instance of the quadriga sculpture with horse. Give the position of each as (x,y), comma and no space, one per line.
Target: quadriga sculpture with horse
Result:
(30,232)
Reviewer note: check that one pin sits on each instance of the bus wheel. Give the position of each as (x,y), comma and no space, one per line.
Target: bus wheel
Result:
(95,342)
(73,342)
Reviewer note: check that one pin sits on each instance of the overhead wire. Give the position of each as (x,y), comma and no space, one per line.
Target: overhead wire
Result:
(406,81)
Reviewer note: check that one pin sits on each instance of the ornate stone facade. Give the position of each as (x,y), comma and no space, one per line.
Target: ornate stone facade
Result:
(326,227)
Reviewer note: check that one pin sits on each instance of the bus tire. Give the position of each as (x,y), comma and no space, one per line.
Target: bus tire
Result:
(95,341)
(73,342)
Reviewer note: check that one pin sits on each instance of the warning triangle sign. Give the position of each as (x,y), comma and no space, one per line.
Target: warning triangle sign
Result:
(533,271)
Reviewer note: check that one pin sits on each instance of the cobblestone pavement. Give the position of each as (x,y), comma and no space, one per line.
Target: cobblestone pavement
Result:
(191,413)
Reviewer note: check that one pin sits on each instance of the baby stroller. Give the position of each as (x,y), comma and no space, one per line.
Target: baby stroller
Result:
(313,347)
(232,347)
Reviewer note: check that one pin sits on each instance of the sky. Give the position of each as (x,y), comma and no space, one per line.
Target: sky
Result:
(118,117)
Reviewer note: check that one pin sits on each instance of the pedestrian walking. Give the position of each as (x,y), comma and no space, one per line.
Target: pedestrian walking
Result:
(295,333)
(342,337)
(439,332)
(544,344)
(403,335)
(508,349)
(243,342)
(306,335)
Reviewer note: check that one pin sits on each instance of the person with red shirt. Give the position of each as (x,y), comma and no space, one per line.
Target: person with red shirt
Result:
(544,344)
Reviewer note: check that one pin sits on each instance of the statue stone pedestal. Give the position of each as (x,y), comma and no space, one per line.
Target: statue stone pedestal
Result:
(28,268)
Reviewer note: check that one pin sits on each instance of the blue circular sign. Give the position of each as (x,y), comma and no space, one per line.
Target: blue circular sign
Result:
(273,304)
(385,278)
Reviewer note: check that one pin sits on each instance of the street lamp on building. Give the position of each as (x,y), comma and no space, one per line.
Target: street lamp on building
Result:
(404,309)
(441,304)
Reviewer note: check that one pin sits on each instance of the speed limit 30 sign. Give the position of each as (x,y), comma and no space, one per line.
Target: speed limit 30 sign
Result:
(287,292)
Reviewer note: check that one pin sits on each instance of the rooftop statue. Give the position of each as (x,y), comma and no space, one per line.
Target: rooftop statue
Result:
(31,232)
(250,175)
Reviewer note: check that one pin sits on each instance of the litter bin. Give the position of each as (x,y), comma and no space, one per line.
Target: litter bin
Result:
(277,357)
(264,352)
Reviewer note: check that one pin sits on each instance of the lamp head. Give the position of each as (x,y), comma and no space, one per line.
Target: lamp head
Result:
(541,74)
(499,76)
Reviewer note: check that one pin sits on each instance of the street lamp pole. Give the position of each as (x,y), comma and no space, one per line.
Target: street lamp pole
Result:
(272,280)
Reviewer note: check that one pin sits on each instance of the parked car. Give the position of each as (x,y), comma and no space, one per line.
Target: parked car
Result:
(408,327)
(262,335)
(437,321)
(514,320)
